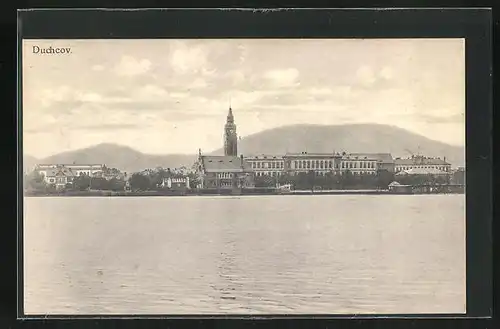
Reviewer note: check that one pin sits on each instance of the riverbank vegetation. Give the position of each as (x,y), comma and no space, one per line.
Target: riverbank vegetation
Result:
(154,181)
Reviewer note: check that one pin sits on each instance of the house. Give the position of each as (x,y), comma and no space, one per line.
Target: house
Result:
(77,169)
(58,177)
(421,162)
(396,187)
(176,183)
(423,171)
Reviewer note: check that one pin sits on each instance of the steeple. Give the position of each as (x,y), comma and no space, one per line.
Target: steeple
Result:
(230,117)
(230,136)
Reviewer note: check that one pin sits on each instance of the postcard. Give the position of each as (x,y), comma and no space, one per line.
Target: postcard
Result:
(243,176)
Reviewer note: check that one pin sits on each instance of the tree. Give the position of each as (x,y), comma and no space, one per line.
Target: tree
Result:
(194,180)
(35,181)
(51,188)
(115,184)
(139,182)
(99,183)
(384,178)
(81,183)
(346,180)
(264,181)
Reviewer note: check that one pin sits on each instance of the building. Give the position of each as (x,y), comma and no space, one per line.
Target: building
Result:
(230,136)
(233,171)
(396,187)
(176,183)
(229,171)
(423,176)
(267,165)
(58,177)
(77,169)
(224,172)
(423,171)
(304,162)
(458,176)
(366,163)
(421,162)
(321,163)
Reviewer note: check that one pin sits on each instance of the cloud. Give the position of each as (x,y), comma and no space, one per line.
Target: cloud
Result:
(129,66)
(453,118)
(178,95)
(189,59)
(109,126)
(235,77)
(90,97)
(97,68)
(386,73)
(283,78)
(150,92)
(198,83)
(365,75)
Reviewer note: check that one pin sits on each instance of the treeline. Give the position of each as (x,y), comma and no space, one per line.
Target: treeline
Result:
(330,181)
(147,180)
(152,179)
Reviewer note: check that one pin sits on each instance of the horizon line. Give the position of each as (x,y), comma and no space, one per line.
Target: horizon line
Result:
(244,136)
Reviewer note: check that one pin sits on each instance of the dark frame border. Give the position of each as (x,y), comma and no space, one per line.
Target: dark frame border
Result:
(472,24)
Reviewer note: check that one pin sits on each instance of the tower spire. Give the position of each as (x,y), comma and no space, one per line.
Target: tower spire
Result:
(230,136)
(230,117)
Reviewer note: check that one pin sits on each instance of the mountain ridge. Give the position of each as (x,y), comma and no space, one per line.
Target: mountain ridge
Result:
(356,138)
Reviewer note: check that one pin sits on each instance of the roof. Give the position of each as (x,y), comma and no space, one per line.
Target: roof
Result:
(420,161)
(382,157)
(59,172)
(224,163)
(422,171)
(263,156)
(72,166)
(312,154)
(393,184)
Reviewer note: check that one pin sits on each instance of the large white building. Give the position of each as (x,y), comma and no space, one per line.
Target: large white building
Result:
(76,169)
(421,162)
(320,163)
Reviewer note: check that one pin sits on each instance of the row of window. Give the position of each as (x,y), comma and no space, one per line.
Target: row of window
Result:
(268,165)
(271,173)
(443,168)
(313,164)
(324,164)
(356,164)
(320,173)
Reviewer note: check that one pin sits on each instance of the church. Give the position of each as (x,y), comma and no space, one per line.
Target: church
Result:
(228,171)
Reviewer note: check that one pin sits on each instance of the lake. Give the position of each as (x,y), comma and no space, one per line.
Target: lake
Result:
(330,254)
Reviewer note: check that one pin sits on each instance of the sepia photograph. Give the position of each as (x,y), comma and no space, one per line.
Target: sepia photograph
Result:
(243,176)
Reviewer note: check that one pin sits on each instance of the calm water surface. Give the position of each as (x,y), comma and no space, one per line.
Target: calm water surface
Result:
(240,255)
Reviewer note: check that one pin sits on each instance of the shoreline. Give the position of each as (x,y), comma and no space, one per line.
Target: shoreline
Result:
(228,193)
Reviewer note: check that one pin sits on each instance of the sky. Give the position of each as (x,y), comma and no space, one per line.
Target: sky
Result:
(165,96)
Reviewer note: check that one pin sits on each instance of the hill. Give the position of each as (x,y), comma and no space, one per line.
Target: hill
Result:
(296,138)
(122,157)
(29,162)
(350,138)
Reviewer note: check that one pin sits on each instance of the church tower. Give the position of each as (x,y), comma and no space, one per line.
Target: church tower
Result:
(230,136)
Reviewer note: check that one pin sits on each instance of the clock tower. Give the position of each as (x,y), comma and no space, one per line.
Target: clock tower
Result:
(230,136)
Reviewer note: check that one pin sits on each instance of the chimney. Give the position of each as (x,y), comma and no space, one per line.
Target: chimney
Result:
(444,159)
(241,160)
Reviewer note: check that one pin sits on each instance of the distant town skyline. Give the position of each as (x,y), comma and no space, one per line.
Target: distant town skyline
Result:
(172,96)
